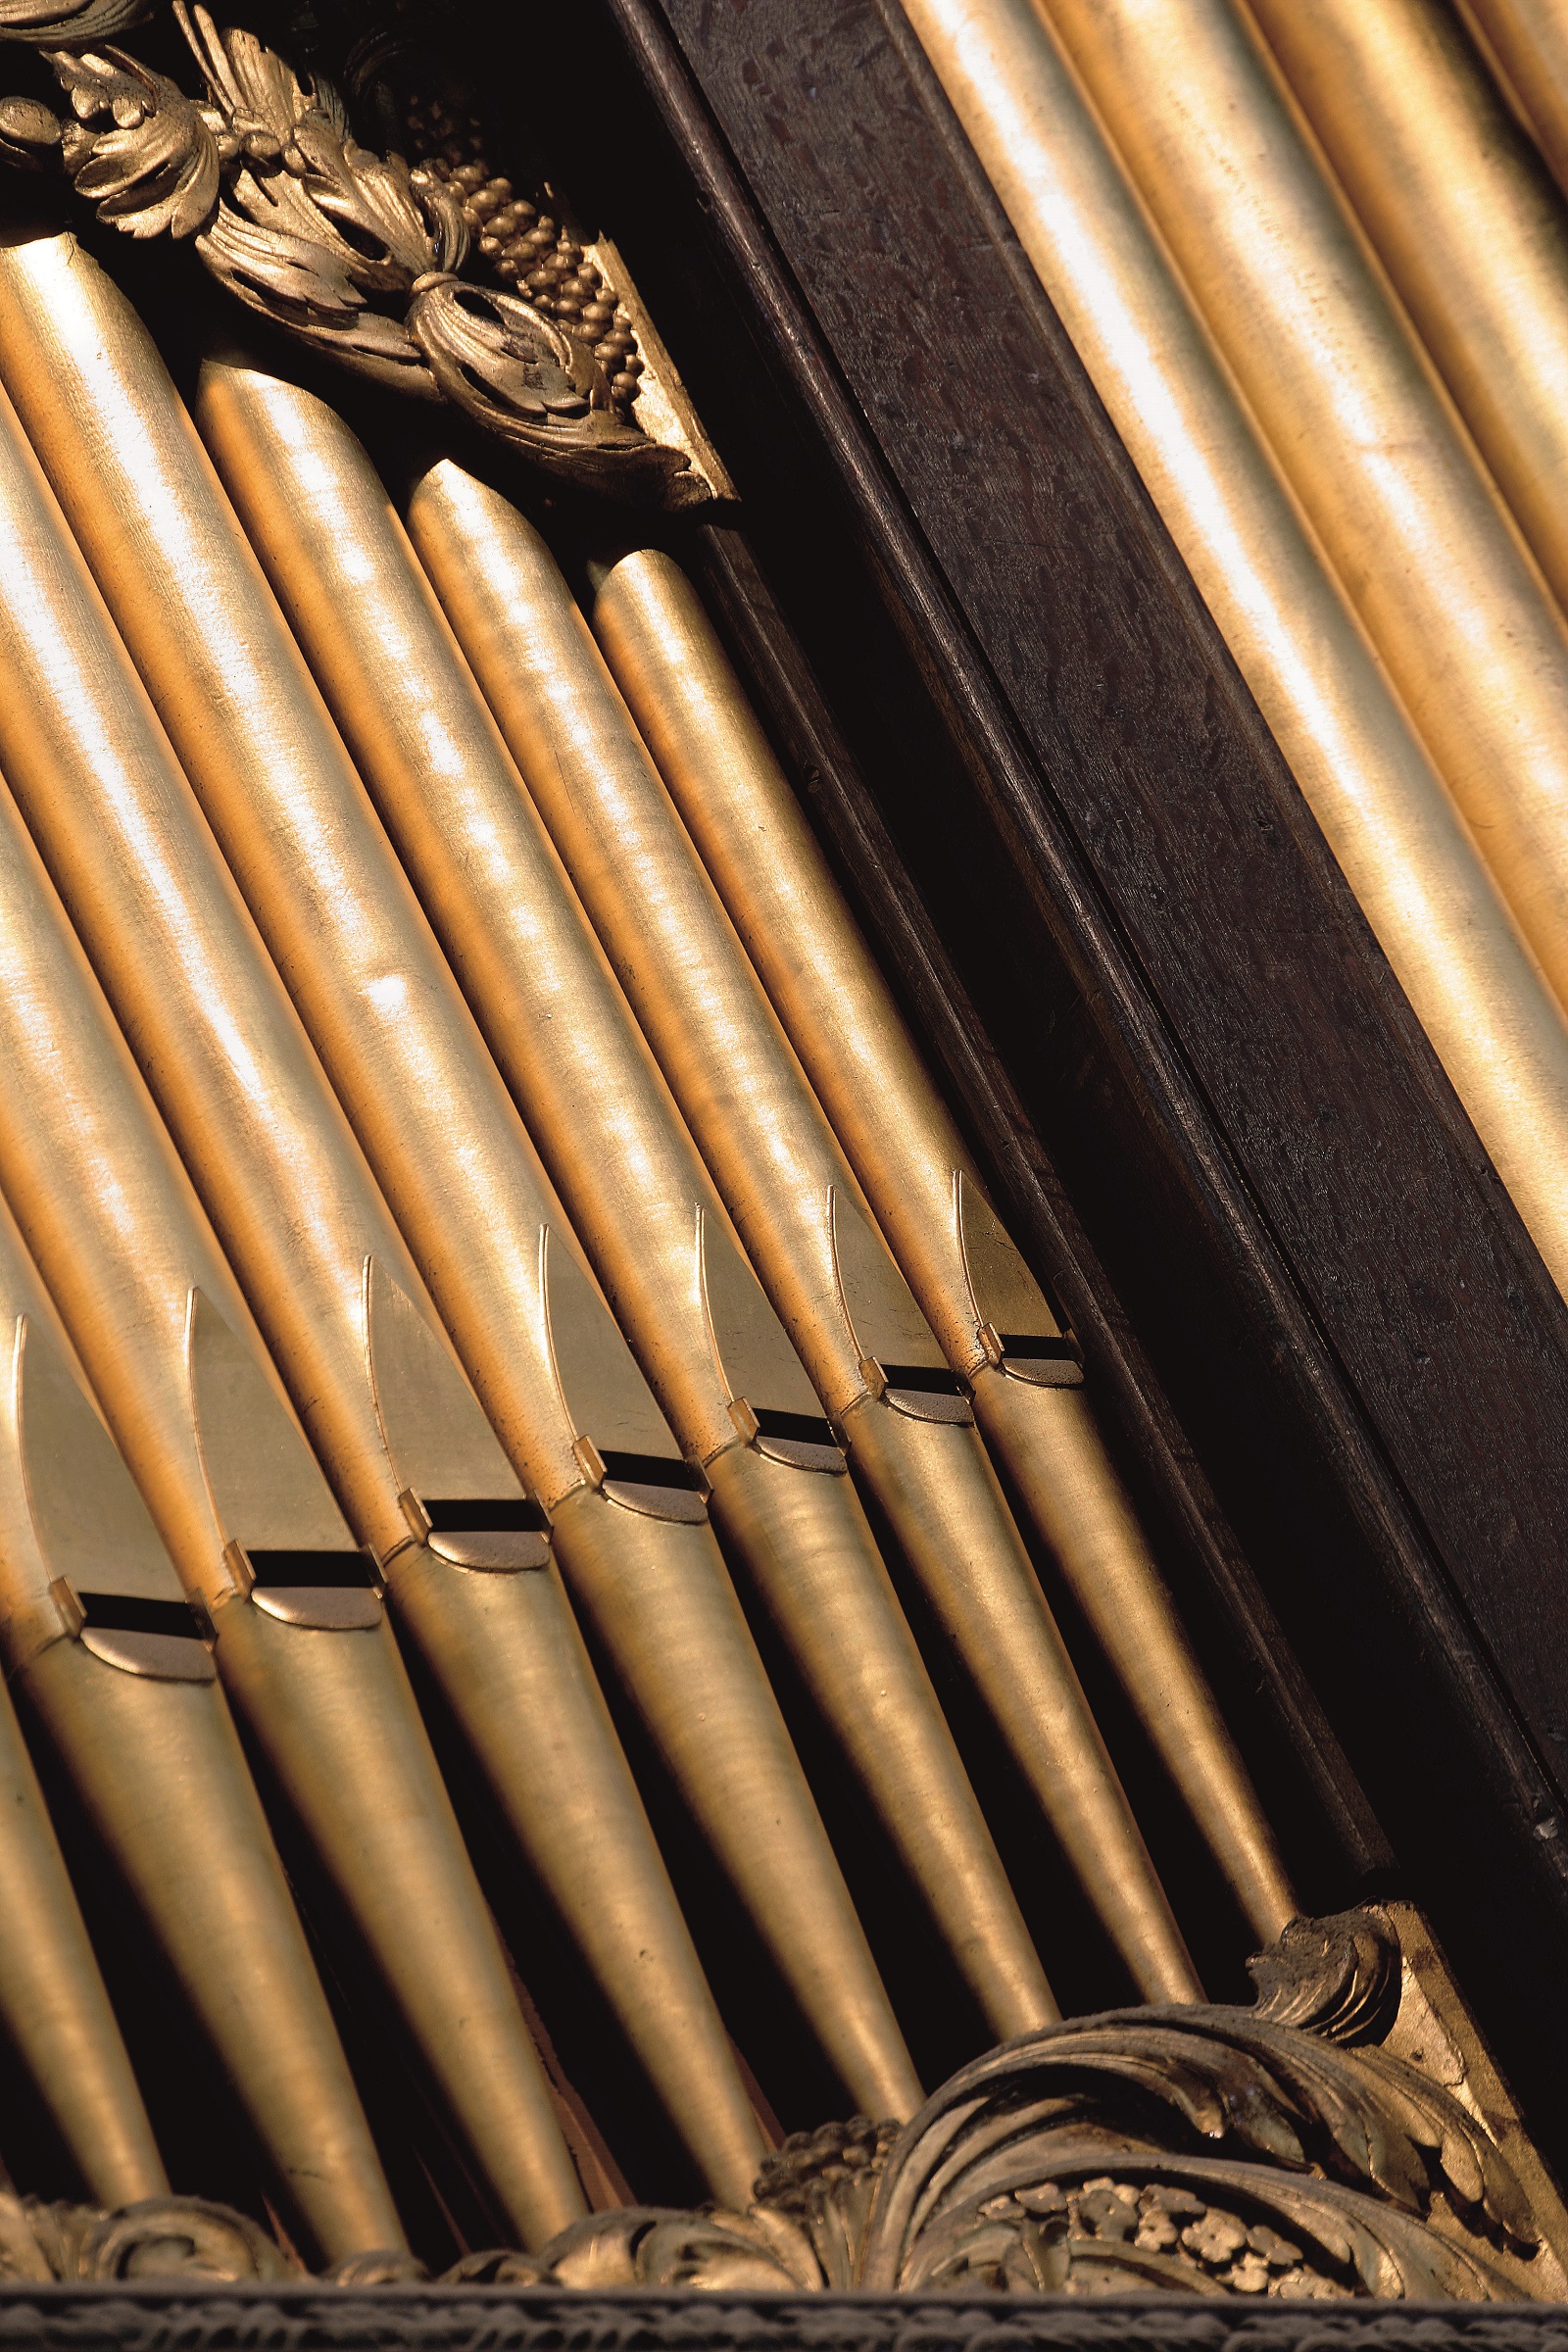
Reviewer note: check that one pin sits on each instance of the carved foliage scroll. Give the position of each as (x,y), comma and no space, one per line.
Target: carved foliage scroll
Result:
(353,253)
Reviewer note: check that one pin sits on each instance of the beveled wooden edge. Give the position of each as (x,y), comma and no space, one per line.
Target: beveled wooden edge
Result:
(488,2319)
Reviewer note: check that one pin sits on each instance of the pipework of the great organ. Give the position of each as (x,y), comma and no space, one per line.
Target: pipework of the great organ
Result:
(495,1295)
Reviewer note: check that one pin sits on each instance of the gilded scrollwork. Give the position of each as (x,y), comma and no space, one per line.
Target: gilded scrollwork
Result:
(1280,2152)
(354,253)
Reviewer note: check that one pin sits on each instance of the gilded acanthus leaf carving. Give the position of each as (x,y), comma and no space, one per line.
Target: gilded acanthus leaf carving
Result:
(152,170)
(353,252)
(1203,2150)
(44,22)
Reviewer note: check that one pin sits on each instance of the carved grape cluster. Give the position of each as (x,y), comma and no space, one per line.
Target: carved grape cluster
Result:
(524,245)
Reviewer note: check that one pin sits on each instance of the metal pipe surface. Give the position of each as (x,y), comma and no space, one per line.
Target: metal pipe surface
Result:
(99,1638)
(411,1068)
(988,1312)
(1526,43)
(796,1204)
(54,2005)
(1371,446)
(609,1133)
(1465,219)
(1405,851)
(394,1421)
(160,1329)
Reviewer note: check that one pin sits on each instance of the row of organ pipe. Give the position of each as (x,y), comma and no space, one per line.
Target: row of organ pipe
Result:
(454,1135)
(1315,260)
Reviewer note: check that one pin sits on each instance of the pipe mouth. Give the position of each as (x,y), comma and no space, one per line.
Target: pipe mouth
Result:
(161,1658)
(1039,1362)
(802,1441)
(329,1592)
(925,1392)
(655,1486)
(486,1535)
(162,1640)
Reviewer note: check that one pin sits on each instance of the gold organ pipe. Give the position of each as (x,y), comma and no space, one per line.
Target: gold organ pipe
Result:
(1465,220)
(799,1210)
(434,1116)
(1366,775)
(637,1192)
(107,1215)
(98,1636)
(328,1276)
(53,2001)
(81,742)
(1347,402)
(970,1281)
(1527,46)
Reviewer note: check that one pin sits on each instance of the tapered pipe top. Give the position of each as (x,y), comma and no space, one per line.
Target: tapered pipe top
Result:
(111,1218)
(314,866)
(873,1359)
(720,1042)
(1345,400)
(639,1194)
(435,1120)
(393,1419)
(1369,779)
(811,956)
(495,889)
(216,1036)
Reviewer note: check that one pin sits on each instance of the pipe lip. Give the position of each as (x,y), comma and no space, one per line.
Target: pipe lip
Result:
(160,1657)
(325,1608)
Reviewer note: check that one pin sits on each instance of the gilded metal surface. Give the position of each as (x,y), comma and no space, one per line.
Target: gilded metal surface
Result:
(516,1665)
(340,1717)
(146,1738)
(159,1767)
(682,1642)
(636,1189)
(1048,1441)
(1526,42)
(775,1161)
(410,1066)
(53,2003)
(384,1399)
(809,1555)
(163,1332)
(970,1281)
(1365,772)
(1340,2140)
(1465,220)
(1414,529)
